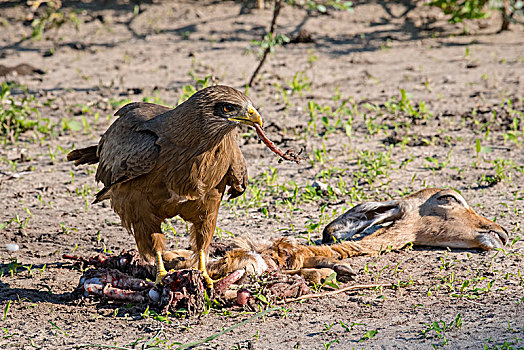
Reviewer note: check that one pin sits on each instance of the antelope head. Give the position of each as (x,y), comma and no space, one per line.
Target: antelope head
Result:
(432,217)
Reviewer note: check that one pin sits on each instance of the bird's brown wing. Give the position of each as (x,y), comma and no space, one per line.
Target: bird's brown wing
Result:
(237,174)
(126,152)
(191,164)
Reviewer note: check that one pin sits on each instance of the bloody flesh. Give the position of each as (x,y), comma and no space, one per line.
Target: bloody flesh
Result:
(288,155)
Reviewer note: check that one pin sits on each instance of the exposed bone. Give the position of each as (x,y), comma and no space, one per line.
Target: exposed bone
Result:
(183,289)
(127,261)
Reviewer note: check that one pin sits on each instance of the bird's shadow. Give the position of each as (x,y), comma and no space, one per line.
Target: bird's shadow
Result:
(32,295)
(41,293)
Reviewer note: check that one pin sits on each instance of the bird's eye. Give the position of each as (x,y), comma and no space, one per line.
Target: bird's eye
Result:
(227,107)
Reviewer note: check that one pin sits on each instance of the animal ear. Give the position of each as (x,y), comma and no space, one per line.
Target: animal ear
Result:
(360,218)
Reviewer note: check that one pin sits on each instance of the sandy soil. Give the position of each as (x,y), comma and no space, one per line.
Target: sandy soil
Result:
(468,83)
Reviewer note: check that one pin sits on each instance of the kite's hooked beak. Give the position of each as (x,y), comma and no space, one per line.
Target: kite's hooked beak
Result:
(252,117)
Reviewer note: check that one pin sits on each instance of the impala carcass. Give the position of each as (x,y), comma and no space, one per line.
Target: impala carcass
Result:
(430,217)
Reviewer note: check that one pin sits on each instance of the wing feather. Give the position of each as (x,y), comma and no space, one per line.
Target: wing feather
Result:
(237,174)
(139,143)
(126,152)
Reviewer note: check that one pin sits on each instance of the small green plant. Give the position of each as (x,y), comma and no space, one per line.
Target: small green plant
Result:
(350,327)
(324,6)
(332,283)
(283,93)
(331,118)
(155,98)
(190,89)
(373,165)
(18,115)
(53,17)
(434,164)
(503,172)
(368,335)
(479,149)
(438,329)
(329,343)
(156,316)
(328,326)
(59,329)
(221,233)
(117,103)
(299,83)
(6,309)
(406,107)
(270,42)
(460,10)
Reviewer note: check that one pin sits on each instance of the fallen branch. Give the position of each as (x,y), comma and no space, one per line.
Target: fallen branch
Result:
(276,11)
(334,292)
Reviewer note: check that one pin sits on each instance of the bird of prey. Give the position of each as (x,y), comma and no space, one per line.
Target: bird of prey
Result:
(157,163)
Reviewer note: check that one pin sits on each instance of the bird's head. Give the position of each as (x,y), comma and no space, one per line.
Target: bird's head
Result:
(224,104)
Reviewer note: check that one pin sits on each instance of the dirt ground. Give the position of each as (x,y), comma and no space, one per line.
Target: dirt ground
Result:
(463,88)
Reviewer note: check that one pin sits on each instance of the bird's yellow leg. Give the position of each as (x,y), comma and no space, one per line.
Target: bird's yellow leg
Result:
(202,267)
(160,269)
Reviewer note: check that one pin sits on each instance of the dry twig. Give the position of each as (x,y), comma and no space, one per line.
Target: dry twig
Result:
(334,292)
(276,11)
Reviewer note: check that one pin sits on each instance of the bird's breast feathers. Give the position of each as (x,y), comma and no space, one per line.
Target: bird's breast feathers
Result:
(204,172)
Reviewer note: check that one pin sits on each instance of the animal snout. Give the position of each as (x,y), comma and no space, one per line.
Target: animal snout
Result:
(493,238)
(502,235)
(329,233)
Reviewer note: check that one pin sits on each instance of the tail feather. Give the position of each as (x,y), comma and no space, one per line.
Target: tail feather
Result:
(86,155)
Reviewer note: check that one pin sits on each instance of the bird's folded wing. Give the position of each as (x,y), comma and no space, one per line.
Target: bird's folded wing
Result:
(125,152)
(237,174)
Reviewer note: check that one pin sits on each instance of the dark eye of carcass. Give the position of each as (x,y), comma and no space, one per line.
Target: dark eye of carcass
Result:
(448,198)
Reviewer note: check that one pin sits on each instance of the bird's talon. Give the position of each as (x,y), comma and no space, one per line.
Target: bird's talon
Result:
(209,281)
(159,277)
(160,269)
